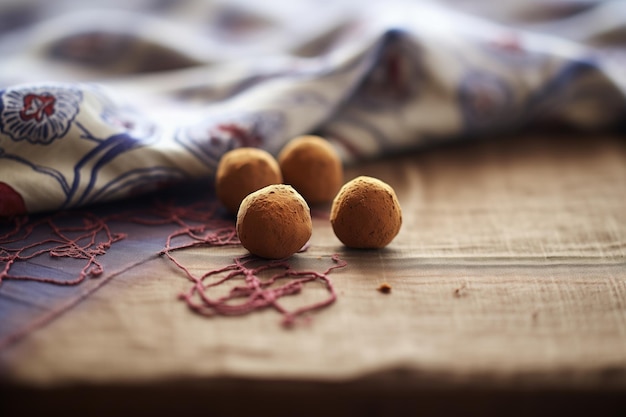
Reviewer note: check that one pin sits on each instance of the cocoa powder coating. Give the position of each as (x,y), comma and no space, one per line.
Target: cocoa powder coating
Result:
(366,214)
(312,166)
(242,171)
(274,222)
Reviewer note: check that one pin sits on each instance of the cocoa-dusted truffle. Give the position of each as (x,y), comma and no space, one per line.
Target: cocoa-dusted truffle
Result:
(312,166)
(274,222)
(242,171)
(366,214)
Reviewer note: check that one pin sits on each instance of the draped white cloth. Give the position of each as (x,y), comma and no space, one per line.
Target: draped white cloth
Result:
(102,100)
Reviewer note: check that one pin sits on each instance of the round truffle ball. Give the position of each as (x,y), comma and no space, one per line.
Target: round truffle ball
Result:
(366,214)
(274,222)
(242,171)
(312,166)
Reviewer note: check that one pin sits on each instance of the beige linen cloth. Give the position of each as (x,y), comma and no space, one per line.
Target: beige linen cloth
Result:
(509,269)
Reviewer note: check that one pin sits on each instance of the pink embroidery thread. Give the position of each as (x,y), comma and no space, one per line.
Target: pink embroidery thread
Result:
(258,294)
(88,243)
(91,236)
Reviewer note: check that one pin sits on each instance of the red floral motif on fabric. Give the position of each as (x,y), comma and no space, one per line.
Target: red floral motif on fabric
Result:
(38,114)
(36,106)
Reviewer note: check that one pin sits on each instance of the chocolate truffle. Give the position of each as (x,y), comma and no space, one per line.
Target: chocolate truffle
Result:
(312,166)
(366,214)
(274,222)
(242,171)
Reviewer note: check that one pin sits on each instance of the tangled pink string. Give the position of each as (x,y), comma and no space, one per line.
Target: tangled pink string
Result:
(257,293)
(91,236)
(87,241)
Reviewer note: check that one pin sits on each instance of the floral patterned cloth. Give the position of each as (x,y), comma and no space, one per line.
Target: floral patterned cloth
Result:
(102,100)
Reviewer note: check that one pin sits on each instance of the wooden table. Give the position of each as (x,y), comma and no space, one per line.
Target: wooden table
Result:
(508,298)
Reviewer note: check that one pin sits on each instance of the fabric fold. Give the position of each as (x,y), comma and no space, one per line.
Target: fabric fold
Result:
(130,102)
